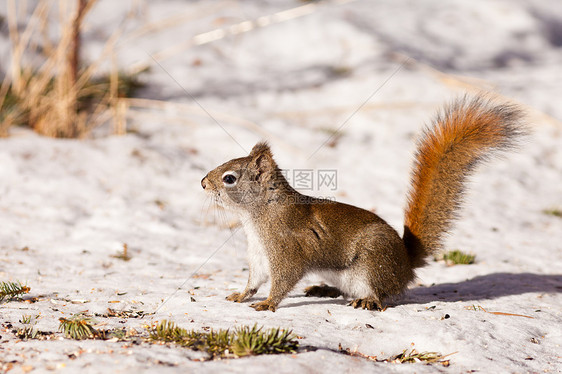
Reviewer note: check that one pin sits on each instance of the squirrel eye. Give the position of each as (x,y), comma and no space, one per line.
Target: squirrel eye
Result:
(230,178)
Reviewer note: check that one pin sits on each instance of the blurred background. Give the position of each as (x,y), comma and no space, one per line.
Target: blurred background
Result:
(254,61)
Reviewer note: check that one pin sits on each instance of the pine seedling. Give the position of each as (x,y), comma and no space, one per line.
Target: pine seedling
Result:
(167,331)
(78,327)
(218,342)
(244,341)
(458,257)
(252,341)
(12,290)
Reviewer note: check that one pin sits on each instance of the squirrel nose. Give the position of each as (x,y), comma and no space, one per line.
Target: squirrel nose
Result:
(203,183)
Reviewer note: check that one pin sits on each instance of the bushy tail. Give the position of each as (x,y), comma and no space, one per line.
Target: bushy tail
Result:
(467,132)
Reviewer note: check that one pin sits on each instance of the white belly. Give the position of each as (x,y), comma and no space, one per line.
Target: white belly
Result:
(351,283)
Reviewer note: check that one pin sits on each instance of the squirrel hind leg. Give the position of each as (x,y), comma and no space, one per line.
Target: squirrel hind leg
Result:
(370,303)
(323,290)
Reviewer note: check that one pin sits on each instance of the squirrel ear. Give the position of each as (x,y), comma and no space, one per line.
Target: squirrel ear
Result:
(261,147)
(262,160)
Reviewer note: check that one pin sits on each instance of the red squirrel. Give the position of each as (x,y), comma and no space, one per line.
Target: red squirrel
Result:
(364,258)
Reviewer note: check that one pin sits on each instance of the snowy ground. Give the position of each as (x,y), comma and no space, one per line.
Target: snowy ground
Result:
(68,206)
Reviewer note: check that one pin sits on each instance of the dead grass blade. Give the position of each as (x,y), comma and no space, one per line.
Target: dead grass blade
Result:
(478,307)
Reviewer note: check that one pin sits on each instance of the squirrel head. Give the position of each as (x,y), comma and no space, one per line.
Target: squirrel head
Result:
(246,182)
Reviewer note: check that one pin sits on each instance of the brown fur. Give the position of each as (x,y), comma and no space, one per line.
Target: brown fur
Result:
(290,234)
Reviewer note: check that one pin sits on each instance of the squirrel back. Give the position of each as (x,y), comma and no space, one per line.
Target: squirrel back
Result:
(467,132)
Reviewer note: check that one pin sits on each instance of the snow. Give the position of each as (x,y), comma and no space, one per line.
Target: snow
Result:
(68,206)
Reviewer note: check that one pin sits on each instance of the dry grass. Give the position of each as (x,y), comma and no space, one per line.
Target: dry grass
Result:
(480,308)
(56,96)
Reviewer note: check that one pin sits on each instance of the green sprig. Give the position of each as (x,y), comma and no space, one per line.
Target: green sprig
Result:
(78,327)
(244,341)
(458,257)
(12,290)
(253,341)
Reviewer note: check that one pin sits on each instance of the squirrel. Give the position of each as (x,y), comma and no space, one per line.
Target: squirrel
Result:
(290,235)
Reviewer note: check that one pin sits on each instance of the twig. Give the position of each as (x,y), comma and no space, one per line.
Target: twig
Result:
(235,29)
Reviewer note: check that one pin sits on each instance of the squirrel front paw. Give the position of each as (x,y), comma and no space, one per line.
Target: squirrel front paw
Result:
(237,297)
(264,305)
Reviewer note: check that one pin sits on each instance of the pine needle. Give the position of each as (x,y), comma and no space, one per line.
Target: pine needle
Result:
(252,341)
(78,327)
(12,290)
(27,331)
(412,356)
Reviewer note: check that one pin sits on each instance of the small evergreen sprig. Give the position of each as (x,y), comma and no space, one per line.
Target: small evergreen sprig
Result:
(458,257)
(412,356)
(214,342)
(167,331)
(253,341)
(12,290)
(244,341)
(78,327)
